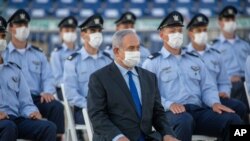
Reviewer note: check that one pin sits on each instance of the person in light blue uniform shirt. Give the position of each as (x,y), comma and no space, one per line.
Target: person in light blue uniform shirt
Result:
(188,94)
(68,35)
(234,51)
(247,73)
(127,21)
(35,68)
(197,31)
(19,117)
(80,65)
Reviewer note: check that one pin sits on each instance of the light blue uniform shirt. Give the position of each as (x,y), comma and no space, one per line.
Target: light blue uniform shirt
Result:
(57,60)
(234,54)
(183,79)
(144,53)
(215,65)
(77,71)
(35,68)
(247,73)
(15,97)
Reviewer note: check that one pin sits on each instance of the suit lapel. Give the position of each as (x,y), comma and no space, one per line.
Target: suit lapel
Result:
(143,90)
(117,76)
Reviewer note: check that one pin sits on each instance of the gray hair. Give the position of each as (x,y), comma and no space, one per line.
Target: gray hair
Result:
(117,39)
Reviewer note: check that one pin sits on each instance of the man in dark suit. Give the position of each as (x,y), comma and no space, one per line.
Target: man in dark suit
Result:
(123,100)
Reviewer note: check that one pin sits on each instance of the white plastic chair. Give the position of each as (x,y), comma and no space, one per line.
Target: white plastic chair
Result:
(247,93)
(88,124)
(203,138)
(71,127)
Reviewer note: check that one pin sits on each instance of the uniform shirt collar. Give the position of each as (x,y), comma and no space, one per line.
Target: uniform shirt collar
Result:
(223,39)
(191,49)
(124,71)
(11,47)
(85,54)
(65,47)
(165,53)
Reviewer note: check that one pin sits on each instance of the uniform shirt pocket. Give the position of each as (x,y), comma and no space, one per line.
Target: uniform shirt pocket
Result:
(168,75)
(35,66)
(13,84)
(214,66)
(83,77)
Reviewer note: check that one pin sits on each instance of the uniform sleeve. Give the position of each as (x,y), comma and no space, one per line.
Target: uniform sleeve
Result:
(48,81)
(71,85)
(247,73)
(57,67)
(150,66)
(208,88)
(223,82)
(26,103)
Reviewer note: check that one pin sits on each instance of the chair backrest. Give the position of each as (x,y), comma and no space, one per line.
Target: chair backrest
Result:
(69,115)
(247,93)
(203,138)
(87,123)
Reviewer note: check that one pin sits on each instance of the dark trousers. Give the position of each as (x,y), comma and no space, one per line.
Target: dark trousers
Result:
(238,92)
(53,111)
(238,106)
(202,121)
(78,115)
(23,128)
(59,93)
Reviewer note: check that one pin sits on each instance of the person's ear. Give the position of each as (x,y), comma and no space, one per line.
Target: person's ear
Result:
(116,51)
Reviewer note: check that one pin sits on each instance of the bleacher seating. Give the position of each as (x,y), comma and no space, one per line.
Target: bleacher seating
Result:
(113,8)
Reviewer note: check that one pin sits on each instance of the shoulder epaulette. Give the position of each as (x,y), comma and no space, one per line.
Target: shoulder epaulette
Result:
(213,41)
(108,47)
(191,54)
(37,48)
(154,55)
(57,48)
(215,50)
(72,56)
(14,64)
(107,55)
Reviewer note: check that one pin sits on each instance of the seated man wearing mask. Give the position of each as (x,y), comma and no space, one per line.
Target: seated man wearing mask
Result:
(19,117)
(123,100)
(234,51)
(35,68)
(127,21)
(68,35)
(197,31)
(188,94)
(80,65)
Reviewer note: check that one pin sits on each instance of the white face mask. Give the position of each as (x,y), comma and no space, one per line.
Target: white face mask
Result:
(3,44)
(95,39)
(200,38)
(132,58)
(175,40)
(230,26)
(22,33)
(69,37)
(132,30)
